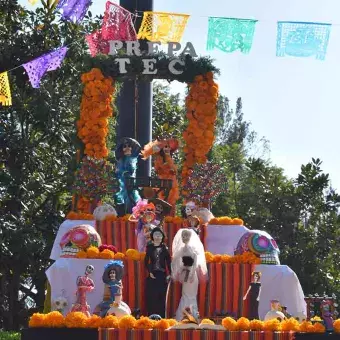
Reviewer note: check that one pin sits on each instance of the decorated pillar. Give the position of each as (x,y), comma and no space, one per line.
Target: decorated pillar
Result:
(135,99)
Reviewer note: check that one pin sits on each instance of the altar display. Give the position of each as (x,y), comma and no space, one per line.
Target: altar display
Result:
(215,276)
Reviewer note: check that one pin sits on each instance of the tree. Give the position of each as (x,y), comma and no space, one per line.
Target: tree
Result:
(37,149)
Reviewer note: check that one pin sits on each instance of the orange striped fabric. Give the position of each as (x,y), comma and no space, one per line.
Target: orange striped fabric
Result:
(146,334)
(122,233)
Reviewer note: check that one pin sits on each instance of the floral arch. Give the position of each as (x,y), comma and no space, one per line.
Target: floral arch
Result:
(99,90)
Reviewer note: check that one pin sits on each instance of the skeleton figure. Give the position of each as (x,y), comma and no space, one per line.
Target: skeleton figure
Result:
(85,284)
(60,303)
(261,244)
(79,238)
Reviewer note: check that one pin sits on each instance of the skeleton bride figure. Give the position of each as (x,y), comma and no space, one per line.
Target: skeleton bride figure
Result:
(188,267)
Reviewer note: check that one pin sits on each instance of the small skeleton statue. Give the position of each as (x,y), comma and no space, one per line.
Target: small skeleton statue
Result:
(84,285)
(60,303)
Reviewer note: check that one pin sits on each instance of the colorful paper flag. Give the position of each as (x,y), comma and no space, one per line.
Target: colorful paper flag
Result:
(73,10)
(5,90)
(163,27)
(33,2)
(47,62)
(117,25)
(302,39)
(230,34)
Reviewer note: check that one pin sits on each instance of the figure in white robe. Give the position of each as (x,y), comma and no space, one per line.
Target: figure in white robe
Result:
(188,267)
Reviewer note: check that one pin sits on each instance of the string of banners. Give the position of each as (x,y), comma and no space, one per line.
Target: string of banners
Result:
(296,39)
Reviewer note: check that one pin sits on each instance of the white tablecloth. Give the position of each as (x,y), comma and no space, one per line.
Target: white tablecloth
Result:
(223,239)
(281,283)
(63,274)
(63,229)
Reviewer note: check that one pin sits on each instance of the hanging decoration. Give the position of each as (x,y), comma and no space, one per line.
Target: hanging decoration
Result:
(95,110)
(302,39)
(47,62)
(163,27)
(230,35)
(199,136)
(73,10)
(33,2)
(5,90)
(117,25)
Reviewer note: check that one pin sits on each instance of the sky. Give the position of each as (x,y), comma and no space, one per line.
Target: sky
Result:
(291,101)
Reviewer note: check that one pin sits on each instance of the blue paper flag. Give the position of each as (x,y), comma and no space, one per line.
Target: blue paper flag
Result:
(302,39)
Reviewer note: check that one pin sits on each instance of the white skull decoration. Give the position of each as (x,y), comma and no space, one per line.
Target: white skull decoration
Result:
(261,244)
(103,211)
(79,238)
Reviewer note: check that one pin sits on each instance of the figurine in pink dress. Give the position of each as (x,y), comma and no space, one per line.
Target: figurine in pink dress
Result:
(84,285)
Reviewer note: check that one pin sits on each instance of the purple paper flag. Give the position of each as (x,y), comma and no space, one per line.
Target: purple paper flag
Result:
(73,10)
(47,62)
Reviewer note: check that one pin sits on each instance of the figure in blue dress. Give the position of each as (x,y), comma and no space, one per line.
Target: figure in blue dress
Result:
(127,153)
(112,303)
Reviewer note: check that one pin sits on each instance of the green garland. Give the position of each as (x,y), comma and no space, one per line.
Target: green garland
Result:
(110,68)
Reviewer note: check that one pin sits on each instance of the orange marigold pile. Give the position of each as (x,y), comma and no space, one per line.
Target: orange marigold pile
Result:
(336,325)
(199,136)
(246,257)
(225,220)
(95,110)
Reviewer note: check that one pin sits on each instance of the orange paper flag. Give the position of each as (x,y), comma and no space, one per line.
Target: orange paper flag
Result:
(5,90)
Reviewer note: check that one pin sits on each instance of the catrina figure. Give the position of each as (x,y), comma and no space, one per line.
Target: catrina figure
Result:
(162,150)
(127,153)
(254,292)
(112,303)
(84,285)
(188,267)
(144,214)
(158,264)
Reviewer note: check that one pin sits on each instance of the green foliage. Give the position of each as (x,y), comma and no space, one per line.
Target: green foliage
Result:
(302,214)
(37,149)
(10,336)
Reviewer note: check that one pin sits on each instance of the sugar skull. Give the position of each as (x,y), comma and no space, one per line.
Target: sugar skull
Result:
(261,244)
(79,238)
(103,211)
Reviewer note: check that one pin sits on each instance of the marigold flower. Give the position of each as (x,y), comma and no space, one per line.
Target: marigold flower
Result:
(37,320)
(92,252)
(229,324)
(336,325)
(55,319)
(162,324)
(127,322)
(243,324)
(119,256)
(75,320)
(304,326)
(106,254)
(94,322)
(256,325)
(172,322)
(290,324)
(109,321)
(272,325)
(144,323)
(81,254)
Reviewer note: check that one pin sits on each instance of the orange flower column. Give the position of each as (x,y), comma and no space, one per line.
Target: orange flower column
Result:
(201,104)
(95,111)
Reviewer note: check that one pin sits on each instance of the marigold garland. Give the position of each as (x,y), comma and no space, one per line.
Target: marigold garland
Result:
(201,105)
(95,109)
(225,220)
(79,320)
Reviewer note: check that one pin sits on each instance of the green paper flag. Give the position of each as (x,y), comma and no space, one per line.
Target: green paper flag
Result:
(229,34)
